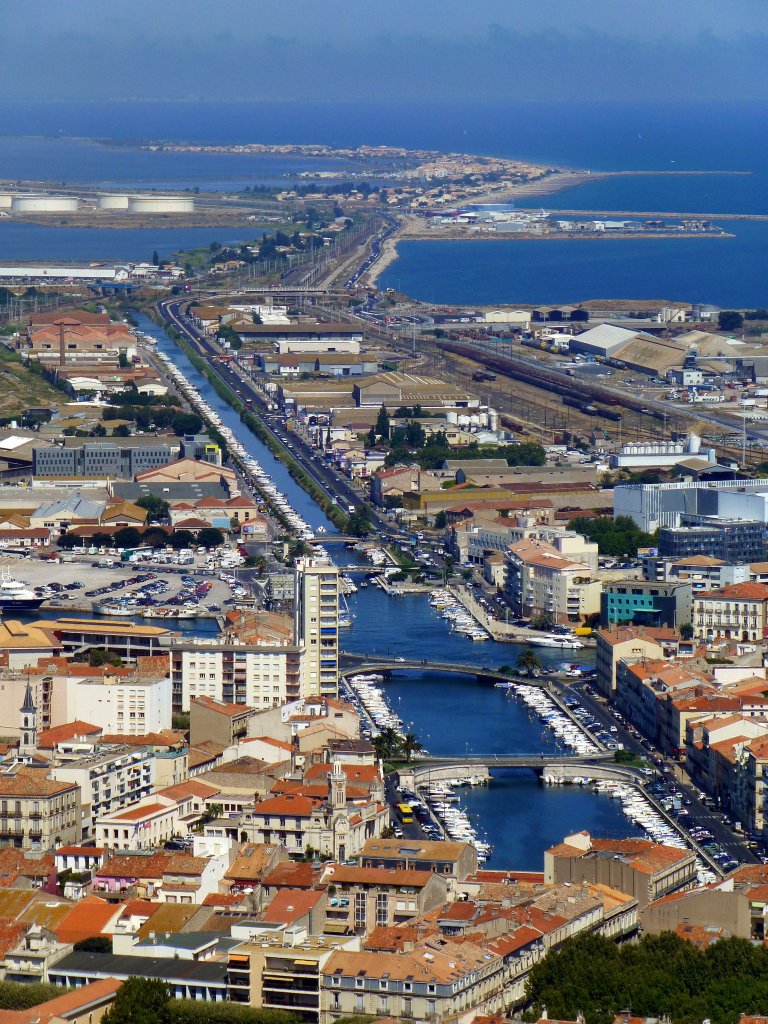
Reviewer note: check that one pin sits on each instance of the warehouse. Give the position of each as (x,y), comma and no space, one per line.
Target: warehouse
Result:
(604,341)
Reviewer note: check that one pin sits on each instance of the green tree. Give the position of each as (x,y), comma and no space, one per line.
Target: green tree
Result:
(96,944)
(729,320)
(387,743)
(440,520)
(128,537)
(155,258)
(186,423)
(69,540)
(97,657)
(382,423)
(122,431)
(182,539)
(122,361)
(409,746)
(155,506)
(210,537)
(528,662)
(140,1001)
(359,522)
(19,996)
(686,631)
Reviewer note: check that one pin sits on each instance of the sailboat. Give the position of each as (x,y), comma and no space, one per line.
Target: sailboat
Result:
(345,615)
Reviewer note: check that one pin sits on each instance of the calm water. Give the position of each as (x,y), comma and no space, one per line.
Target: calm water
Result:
(638,136)
(724,271)
(19,241)
(297,497)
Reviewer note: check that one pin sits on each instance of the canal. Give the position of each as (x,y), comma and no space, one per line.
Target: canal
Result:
(451,714)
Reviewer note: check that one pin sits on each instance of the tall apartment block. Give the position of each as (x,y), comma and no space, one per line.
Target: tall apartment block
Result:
(316,624)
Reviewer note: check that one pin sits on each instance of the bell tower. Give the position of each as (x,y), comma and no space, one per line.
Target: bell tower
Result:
(28,725)
(337,782)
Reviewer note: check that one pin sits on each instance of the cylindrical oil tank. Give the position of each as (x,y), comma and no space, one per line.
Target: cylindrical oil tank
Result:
(45,204)
(160,204)
(113,202)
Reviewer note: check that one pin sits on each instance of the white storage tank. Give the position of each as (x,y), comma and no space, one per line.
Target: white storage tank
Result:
(160,204)
(113,202)
(45,204)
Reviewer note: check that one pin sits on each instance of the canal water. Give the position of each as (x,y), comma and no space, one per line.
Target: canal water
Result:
(298,498)
(451,714)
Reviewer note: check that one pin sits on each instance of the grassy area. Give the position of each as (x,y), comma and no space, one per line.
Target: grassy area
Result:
(21,388)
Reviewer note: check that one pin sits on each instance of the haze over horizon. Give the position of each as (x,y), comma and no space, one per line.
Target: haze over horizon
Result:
(674,50)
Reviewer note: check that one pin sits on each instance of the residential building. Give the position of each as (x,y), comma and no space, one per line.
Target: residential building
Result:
(629,644)
(218,721)
(108,778)
(119,704)
(37,812)
(437,980)
(737,612)
(543,580)
(368,898)
(453,860)
(644,869)
(154,819)
(316,624)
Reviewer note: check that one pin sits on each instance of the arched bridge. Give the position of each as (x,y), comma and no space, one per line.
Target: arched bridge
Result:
(354,664)
(535,761)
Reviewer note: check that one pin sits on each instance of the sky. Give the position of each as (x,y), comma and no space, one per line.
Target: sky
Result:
(328,50)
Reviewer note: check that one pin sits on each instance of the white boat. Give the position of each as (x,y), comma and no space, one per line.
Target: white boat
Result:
(568,643)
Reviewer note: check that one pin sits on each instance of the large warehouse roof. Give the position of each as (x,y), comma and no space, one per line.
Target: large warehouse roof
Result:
(605,339)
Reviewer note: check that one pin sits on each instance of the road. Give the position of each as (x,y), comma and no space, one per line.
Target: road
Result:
(711,820)
(336,487)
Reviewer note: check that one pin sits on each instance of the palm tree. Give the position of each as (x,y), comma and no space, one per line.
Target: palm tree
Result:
(387,743)
(410,745)
(528,662)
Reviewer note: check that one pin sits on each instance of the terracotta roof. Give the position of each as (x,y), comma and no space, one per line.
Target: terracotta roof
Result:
(291,875)
(69,731)
(380,876)
(290,905)
(251,862)
(353,772)
(742,591)
(33,782)
(288,805)
(86,919)
(229,710)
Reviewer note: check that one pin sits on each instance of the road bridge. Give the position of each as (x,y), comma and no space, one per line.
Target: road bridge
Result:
(384,665)
(538,762)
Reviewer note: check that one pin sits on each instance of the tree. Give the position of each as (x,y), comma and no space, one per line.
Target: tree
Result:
(96,944)
(528,662)
(686,631)
(410,745)
(387,743)
(155,506)
(155,258)
(97,657)
(140,1001)
(123,361)
(370,438)
(122,431)
(70,540)
(128,537)
(440,520)
(543,621)
(359,522)
(729,320)
(382,423)
(186,423)
(182,539)
(209,537)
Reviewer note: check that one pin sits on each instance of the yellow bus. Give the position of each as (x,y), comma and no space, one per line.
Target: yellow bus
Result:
(406,813)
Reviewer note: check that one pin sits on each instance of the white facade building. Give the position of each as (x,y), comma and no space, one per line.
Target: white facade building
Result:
(125,707)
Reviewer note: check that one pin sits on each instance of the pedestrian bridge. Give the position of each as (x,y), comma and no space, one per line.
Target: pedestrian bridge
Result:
(354,664)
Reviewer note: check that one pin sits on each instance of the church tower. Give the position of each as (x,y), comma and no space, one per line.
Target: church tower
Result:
(28,725)
(337,782)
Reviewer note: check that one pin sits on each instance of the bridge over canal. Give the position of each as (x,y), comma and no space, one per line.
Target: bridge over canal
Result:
(354,664)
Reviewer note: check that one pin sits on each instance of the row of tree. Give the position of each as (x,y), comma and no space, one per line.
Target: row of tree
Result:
(661,975)
(619,537)
(154,537)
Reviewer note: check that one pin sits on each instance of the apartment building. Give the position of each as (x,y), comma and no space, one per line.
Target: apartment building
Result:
(629,644)
(316,604)
(153,820)
(437,980)
(641,868)
(37,812)
(453,860)
(542,580)
(737,612)
(130,705)
(231,672)
(368,898)
(282,970)
(108,779)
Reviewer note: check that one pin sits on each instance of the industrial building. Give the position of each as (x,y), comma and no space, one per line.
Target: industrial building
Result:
(733,541)
(660,454)
(99,459)
(655,505)
(633,350)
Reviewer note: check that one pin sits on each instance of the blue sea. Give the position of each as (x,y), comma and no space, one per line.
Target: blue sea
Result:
(55,142)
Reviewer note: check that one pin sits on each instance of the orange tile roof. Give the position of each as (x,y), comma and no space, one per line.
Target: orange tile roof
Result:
(229,710)
(291,875)
(86,919)
(289,805)
(742,591)
(380,876)
(69,731)
(289,905)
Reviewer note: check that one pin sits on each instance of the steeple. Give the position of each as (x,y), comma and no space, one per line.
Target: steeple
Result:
(28,724)
(337,783)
